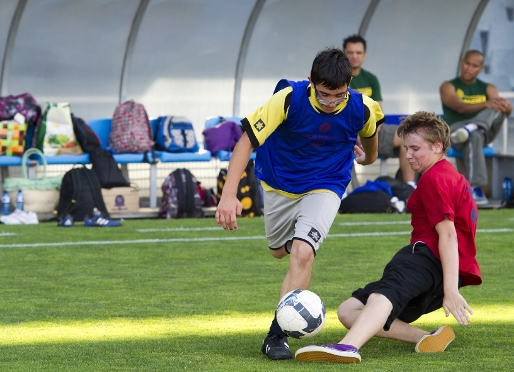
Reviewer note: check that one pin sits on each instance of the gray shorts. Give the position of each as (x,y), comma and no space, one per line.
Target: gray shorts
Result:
(307,218)
(385,141)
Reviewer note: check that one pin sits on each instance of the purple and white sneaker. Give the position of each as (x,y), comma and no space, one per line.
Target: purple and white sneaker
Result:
(335,353)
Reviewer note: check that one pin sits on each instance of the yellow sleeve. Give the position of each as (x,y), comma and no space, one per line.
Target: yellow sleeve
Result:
(267,118)
(376,117)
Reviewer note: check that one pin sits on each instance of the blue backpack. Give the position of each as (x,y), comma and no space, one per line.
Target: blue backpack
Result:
(176,134)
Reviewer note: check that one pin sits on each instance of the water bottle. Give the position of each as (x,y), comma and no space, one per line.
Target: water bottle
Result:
(20,201)
(507,188)
(6,203)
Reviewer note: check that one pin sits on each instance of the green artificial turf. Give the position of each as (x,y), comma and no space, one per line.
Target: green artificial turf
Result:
(180,295)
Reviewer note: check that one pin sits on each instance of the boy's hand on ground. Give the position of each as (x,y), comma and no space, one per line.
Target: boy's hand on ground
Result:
(228,209)
(458,307)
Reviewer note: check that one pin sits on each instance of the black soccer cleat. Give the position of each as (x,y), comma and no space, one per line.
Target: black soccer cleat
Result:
(276,348)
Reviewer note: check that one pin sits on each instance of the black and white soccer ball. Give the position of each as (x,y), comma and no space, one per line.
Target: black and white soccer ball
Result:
(301,313)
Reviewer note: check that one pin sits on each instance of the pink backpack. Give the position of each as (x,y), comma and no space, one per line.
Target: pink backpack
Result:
(131,131)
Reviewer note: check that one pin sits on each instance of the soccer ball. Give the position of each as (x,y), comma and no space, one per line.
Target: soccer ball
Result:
(301,313)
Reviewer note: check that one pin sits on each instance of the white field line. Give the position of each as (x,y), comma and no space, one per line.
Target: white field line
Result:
(3,233)
(219,228)
(407,222)
(212,238)
(181,229)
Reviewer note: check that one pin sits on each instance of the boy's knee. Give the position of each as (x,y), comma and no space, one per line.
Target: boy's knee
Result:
(278,253)
(344,314)
(378,299)
(302,253)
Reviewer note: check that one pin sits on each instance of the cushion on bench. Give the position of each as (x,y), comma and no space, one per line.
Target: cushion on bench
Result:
(488,152)
(226,155)
(170,157)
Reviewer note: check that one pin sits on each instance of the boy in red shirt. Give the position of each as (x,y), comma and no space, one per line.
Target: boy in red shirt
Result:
(425,275)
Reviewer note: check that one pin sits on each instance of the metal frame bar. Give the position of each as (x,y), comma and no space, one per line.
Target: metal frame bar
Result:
(366,19)
(471,30)
(9,46)
(129,49)
(243,50)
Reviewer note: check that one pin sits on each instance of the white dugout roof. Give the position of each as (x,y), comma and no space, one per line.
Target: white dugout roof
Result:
(200,58)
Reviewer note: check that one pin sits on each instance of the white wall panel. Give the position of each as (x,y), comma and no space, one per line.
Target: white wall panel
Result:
(287,37)
(185,58)
(72,50)
(413,46)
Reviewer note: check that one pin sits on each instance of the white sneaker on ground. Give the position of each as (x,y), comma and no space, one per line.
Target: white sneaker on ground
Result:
(460,135)
(19,217)
(397,204)
(10,220)
(479,196)
(29,218)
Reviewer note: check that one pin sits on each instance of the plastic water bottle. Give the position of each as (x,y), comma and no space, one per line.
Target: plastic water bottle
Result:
(6,203)
(20,201)
(507,188)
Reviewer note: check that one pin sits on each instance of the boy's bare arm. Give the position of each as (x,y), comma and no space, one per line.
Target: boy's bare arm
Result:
(367,153)
(453,302)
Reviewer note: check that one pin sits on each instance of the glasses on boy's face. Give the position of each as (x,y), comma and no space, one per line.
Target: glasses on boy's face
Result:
(326,102)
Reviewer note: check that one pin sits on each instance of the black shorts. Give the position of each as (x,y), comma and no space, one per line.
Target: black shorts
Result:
(412,281)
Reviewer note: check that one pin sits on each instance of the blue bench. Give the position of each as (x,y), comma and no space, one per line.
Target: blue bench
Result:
(452,153)
(102,127)
(8,161)
(487,150)
(500,164)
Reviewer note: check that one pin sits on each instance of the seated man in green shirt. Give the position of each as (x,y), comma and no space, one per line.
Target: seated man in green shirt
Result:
(363,81)
(475,113)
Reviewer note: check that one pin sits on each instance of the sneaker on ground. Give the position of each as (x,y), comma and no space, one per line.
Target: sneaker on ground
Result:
(67,221)
(335,353)
(100,221)
(276,347)
(479,197)
(19,217)
(28,218)
(10,220)
(460,135)
(437,340)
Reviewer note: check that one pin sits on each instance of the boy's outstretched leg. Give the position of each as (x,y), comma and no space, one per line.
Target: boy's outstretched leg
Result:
(298,276)
(275,345)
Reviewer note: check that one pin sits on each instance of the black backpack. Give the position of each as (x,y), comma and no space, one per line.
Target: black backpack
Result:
(367,202)
(248,191)
(80,194)
(180,196)
(86,137)
(400,189)
(106,169)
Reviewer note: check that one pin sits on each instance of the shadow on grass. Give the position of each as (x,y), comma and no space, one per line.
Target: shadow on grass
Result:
(476,347)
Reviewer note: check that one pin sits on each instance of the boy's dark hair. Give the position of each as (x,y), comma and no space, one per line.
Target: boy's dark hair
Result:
(354,39)
(429,126)
(331,68)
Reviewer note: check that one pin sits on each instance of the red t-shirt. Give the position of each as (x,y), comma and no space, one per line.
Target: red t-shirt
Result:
(442,191)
